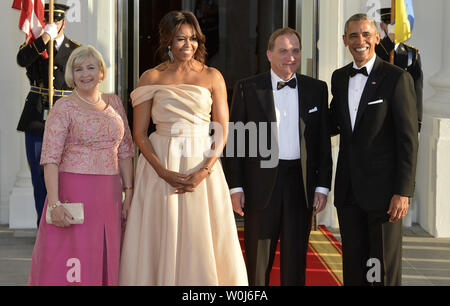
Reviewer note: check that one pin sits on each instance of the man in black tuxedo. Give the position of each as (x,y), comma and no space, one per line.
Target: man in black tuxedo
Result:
(374,111)
(32,56)
(285,171)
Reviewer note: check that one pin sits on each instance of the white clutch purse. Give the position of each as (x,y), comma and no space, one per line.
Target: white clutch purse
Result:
(75,209)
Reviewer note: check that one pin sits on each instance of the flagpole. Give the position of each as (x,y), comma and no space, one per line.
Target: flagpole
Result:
(392,54)
(50,59)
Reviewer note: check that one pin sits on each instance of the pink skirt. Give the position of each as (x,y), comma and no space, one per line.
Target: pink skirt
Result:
(87,254)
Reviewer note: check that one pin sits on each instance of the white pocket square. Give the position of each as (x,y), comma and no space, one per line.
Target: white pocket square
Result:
(313,110)
(375,102)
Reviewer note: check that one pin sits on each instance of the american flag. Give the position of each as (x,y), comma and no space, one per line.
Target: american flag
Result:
(32,21)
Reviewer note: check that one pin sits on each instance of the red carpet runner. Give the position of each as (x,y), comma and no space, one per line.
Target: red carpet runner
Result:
(324,261)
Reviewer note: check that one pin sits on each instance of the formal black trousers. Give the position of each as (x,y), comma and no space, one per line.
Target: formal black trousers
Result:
(286,218)
(371,246)
(33,146)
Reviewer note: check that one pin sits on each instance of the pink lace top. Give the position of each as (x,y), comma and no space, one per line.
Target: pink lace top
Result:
(87,141)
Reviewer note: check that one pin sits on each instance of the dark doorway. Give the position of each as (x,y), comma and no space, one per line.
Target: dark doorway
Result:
(237,32)
(150,14)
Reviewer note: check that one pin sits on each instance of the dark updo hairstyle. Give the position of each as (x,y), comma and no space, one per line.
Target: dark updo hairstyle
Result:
(170,24)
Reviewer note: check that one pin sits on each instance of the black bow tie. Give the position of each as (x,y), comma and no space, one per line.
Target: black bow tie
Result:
(354,72)
(292,83)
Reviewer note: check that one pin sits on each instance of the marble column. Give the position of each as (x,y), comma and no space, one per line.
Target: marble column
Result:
(433,175)
(22,211)
(17,201)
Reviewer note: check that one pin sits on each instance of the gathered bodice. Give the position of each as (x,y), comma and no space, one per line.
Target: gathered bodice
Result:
(176,103)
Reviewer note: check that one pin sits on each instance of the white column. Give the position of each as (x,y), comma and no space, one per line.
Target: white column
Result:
(331,57)
(22,211)
(433,173)
(16,192)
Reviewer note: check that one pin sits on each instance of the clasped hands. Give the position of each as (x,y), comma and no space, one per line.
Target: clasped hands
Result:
(184,182)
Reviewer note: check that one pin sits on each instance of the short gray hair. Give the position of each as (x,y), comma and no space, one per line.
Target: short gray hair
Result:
(77,57)
(359,17)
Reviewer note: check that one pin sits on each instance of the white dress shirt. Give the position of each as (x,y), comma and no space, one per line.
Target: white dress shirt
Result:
(287,115)
(286,110)
(356,86)
(58,42)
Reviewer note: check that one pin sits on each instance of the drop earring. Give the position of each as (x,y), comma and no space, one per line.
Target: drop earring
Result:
(170,54)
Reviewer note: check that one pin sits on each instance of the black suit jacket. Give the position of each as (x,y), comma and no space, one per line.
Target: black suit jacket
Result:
(253,104)
(408,58)
(378,158)
(29,57)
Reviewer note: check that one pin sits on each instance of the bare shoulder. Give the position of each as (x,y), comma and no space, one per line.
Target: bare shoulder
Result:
(150,77)
(213,72)
(215,77)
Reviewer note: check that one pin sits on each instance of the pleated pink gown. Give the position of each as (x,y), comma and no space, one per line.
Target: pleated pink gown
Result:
(86,254)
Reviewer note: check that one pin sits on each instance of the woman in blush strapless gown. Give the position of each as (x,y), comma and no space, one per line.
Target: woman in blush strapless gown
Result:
(180,226)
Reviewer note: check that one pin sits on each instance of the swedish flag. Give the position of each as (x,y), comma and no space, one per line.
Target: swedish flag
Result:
(404,20)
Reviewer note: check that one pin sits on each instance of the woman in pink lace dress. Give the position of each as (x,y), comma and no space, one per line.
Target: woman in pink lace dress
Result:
(87,156)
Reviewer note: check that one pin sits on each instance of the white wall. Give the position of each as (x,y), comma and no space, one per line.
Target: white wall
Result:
(427,37)
(94,23)
(13,87)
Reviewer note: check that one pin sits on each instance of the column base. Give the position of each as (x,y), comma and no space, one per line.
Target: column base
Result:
(22,212)
(433,177)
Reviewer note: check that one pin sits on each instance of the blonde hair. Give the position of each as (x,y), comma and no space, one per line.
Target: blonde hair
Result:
(77,57)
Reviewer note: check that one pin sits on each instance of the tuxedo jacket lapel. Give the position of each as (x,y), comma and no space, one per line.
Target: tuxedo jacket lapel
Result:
(303,99)
(303,95)
(64,51)
(344,97)
(264,93)
(304,104)
(265,97)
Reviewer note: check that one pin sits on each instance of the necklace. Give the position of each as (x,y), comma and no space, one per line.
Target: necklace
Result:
(87,101)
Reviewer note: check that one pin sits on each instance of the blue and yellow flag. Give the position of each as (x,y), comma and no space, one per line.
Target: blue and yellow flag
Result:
(404,20)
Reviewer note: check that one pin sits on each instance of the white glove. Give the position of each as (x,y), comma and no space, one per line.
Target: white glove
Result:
(391,29)
(52,30)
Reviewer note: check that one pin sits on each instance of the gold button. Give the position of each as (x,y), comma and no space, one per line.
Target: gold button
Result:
(56,67)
